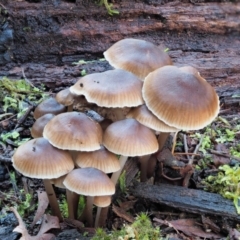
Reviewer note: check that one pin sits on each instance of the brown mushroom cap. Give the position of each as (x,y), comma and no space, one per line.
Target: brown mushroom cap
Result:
(65,97)
(102,201)
(101,159)
(49,105)
(89,182)
(180,98)
(137,56)
(40,123)
(130,138)
(37,158)
(113,88)
(145,117)
(73,131)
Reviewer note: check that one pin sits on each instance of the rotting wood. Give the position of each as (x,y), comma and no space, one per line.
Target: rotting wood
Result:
(185,199)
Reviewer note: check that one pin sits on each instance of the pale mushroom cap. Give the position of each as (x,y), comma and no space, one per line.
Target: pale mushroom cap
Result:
(65,97)
(73,131)
(137,56)
(180,98)
(113,88)
(40,123)
(89,182)
(49,105)
(101,159)
(130,138)
(145,117)
(102,201)
(37,158)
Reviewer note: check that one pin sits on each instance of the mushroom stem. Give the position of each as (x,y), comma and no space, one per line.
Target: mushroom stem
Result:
(143,167)
(72,200)
(70,108)
(115,175)
(103,217)
(99,209)
(118,114)
(89,215)
(174,142)
(162,139)
(52,199)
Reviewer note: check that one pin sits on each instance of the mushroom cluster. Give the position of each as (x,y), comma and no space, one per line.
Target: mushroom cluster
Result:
(148,98)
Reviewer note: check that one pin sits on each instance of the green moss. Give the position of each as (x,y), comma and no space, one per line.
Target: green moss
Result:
(141,229)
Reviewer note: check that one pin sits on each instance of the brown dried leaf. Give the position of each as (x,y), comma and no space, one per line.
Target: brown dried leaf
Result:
(42,205)
(122,214)
(127,205)
(210,224)
(188,227)
(48,223)
(234,234)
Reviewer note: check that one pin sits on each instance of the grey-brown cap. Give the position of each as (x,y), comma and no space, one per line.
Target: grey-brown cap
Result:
(137,56)
(49,105)
(73,131)
(40,123)
(146,117)
(102,201)
(89,182)
(37,158)
(113,88)
(130,138)
(101,159)
(180,98)
(65,97)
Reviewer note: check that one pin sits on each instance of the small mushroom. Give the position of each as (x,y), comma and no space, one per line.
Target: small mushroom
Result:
(66,98)
(89,182)
(49,105)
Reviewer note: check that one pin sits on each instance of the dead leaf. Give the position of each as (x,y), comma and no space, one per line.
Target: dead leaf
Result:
(42,205)
(127,205)
(48,223)
(122,214)
(210,224)
(218,159)
(189,227)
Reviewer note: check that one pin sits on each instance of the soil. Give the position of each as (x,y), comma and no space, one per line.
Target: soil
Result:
(40,40)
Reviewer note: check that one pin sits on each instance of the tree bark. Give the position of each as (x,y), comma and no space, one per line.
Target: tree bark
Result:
(46,36)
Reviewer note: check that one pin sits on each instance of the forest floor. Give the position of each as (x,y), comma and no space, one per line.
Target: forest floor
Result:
(206,160)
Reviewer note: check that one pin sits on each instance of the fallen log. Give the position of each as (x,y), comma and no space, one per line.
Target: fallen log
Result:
(185,199)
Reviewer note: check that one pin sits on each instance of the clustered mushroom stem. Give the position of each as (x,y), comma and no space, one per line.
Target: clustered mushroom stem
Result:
(174,142)
(52,199)
(89,206)
(115,175)
(103,216)
(70,108)
(72,200)
(143,167)
(118,114)
(99,209)
(162,140)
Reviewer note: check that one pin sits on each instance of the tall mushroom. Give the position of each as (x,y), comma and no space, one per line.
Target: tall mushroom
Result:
(137,56)
(37,158)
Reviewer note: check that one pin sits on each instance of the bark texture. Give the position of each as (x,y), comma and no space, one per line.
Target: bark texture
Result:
(46,36)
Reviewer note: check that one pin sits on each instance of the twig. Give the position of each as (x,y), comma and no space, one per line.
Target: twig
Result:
(5,159)
(195,154)
(5,115)
(9,118)
(22,119)
(224,154)
(168,178)
(190,162)
(185,145)
(25,78)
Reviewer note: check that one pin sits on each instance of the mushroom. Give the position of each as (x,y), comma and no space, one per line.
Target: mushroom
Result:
(89,182)
(49,105)
(113,89)
(73,131)
(66,98)
(137,56)
(37,158)
(129,138)
(101,202)
(101,159)
(145,117)
(40,123)
(180,97)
